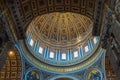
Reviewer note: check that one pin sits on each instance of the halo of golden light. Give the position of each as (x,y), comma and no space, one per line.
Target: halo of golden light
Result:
(11,53)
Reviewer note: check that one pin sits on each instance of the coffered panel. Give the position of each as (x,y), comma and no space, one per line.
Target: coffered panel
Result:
(32,8)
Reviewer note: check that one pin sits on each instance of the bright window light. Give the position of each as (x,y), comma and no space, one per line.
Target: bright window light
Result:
(63,55)
(31,42)
(76,54)
(94,40)
(51,54)
(86,49)
(40,50)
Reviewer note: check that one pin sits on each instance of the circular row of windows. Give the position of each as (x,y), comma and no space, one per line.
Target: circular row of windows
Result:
(59,57)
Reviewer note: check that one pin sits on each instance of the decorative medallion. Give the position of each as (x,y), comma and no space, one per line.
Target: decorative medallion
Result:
(33,75)
(94,74)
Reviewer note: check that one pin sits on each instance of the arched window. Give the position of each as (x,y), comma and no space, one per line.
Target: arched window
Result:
(86,49)
(40,50)
(63,55)
(95,40)
(31,42)
(51,54)
(75,54)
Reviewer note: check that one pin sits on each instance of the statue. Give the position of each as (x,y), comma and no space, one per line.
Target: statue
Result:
(117,11)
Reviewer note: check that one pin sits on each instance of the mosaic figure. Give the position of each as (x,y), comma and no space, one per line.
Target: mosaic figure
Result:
(33,75)
(94,75)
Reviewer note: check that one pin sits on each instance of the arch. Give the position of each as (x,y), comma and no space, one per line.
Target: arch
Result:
(36,8)
(49,68)
(63,76)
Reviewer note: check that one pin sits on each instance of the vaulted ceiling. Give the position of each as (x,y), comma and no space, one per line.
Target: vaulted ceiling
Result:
(23,11)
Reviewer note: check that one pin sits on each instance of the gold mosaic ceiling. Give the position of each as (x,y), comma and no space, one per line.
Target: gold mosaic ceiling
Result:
(61,28)
(12,68)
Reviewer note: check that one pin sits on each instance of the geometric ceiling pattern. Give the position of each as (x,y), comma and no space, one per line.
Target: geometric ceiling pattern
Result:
(59,36)
(48,32)
(12,68)
(61,28)
(23,11)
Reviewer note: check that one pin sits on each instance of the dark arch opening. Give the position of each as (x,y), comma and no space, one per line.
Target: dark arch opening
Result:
(1,41)
(63,79)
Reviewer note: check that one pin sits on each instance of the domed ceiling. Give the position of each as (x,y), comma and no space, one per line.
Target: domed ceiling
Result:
(61,36)
(61,29)
(61,39)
